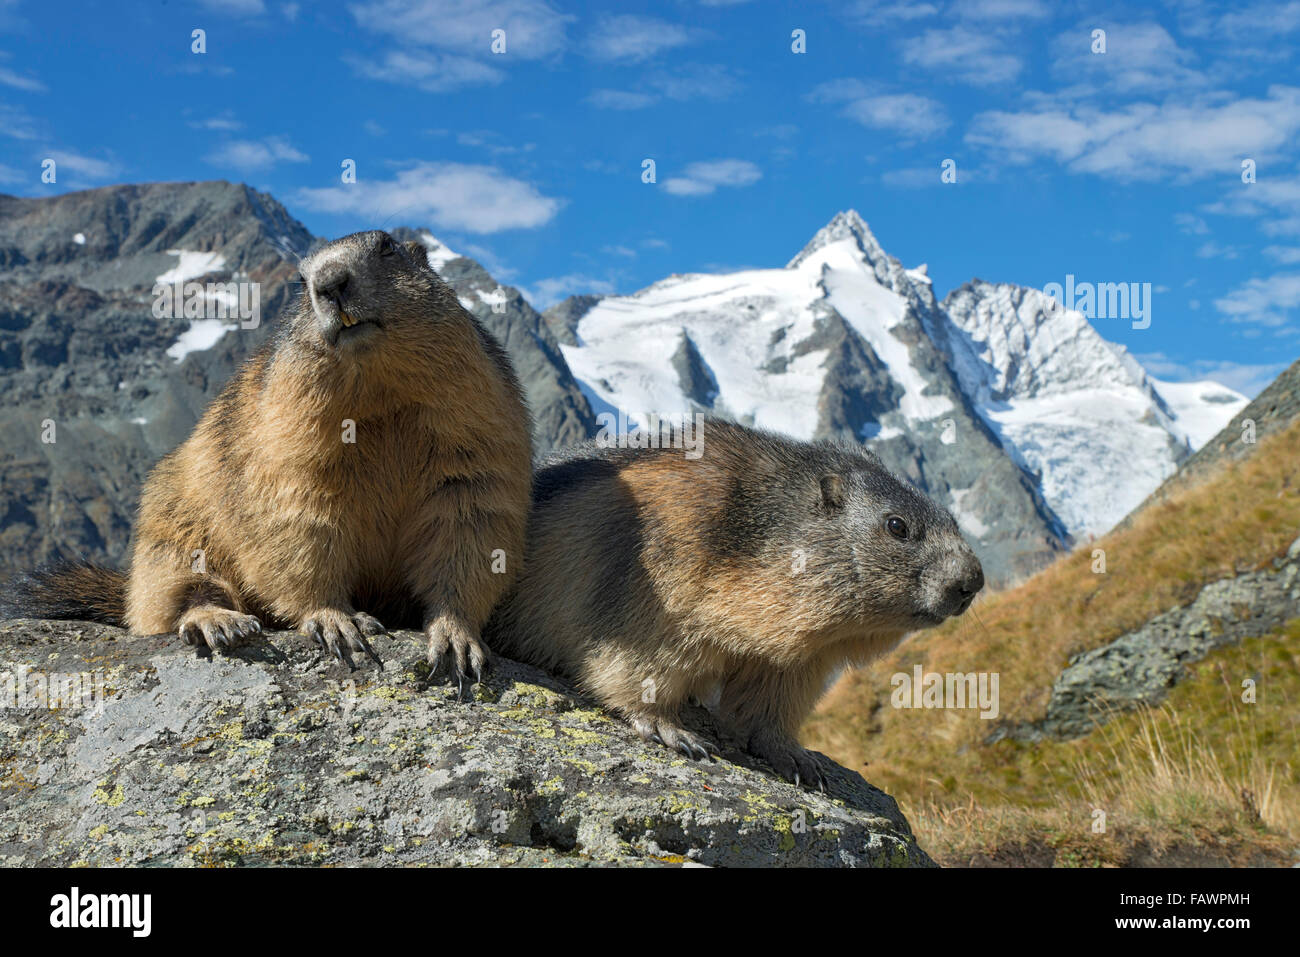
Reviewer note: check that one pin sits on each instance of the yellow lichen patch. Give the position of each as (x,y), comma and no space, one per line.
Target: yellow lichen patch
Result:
(540,697)
(583,736)
(113,798)
(589,716)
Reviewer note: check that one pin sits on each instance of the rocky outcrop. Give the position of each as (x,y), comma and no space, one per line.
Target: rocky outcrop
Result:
(277,755)
(1141,666)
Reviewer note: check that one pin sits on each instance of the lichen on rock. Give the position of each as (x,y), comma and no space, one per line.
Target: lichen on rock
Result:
(277,755)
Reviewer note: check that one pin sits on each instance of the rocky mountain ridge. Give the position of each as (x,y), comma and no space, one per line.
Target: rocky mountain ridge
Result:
(963,397)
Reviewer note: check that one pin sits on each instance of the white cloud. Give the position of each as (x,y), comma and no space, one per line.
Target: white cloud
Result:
(873,13)
(85,166)
(1270,301)
(1213,250)
(1290,255)
(1143,141)
(15,122)
(695,81)
(910,114)
(475,199)
(1248,378)
(1139,58)
(16,80)
(547,292)
(1271,196)
(254,155)
(969,54)
(684,83)
(701,179)
(533,29)
(631,38)
(226,122)
(431,72)
(1192,225)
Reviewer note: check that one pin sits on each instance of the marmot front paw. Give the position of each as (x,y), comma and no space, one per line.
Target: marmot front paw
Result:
(790,759)
(673,737)
(339,632)
(464,653)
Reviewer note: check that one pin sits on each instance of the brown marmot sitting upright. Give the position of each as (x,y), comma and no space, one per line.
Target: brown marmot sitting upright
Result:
(373,459)
(758,568)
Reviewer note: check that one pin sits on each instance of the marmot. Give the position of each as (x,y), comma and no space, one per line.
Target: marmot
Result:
(758,568)
(372,459)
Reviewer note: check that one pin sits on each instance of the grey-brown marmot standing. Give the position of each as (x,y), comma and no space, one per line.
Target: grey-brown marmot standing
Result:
(759,568)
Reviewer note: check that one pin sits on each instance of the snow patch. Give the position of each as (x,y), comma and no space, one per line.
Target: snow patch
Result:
(439,253)
(202,334)
(191,265)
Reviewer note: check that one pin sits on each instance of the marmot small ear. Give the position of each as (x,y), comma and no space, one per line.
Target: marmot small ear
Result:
(832,491)
(417,250)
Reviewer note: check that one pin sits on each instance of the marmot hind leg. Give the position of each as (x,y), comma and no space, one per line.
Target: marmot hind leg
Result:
(763,708)
(165,594)
(221,629)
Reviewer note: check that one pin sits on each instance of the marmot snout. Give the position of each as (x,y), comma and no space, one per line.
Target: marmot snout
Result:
(759,568)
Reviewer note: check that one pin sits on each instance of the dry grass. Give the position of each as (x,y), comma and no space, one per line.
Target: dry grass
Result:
(1204,778)
(1172,778)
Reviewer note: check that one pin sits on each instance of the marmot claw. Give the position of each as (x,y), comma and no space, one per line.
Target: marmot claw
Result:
(338,632)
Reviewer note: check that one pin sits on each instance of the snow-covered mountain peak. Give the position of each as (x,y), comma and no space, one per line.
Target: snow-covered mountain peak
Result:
(846,227)
(439,253)
(1078,411)
(1028,347)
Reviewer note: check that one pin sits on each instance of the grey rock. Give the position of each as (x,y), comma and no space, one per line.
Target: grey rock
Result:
(278,756)
(1141,666)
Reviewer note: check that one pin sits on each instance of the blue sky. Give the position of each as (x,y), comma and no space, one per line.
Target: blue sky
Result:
(1122,166)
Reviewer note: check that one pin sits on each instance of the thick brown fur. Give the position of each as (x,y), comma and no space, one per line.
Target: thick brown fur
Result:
(268,514)
(748,576)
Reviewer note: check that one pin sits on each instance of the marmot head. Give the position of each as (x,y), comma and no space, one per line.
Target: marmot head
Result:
(366,288)
(901,554)
(880,555)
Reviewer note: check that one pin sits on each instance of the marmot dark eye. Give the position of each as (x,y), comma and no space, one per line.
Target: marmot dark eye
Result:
(896,526)
(386,247)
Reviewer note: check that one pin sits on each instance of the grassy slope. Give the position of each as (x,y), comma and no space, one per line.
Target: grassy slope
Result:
(1170,779)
